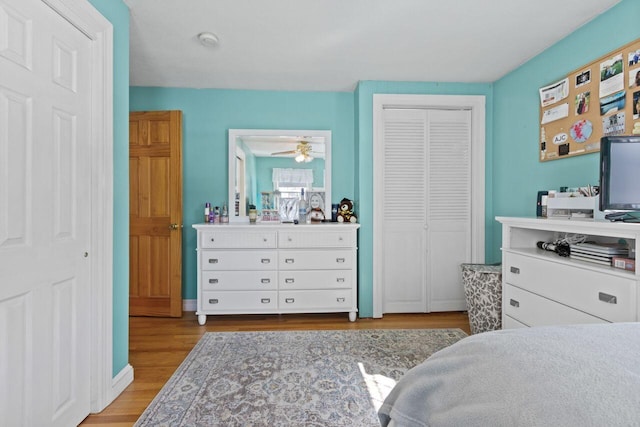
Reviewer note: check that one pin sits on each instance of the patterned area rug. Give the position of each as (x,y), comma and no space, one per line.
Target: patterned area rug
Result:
(302,378)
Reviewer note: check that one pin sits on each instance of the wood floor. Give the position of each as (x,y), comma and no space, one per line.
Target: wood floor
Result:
(157,346)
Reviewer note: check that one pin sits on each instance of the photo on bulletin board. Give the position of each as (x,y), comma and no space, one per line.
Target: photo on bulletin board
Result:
(599,99)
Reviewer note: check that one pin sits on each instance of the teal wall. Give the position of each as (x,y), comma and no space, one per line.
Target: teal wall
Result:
(517,172)
(118,14)
(208,114)
(364,158)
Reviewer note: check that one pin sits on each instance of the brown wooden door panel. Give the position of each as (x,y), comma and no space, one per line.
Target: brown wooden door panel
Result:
(155,172)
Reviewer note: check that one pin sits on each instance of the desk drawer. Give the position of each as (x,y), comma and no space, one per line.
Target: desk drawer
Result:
(315,300)
(219,239)
(239,301)
(317,239)
(534,310)
(317,279)
(602,294)
(239,260)
(214,280)
(316,260)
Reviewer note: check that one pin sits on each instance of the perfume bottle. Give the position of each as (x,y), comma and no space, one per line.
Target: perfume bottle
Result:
(207,211)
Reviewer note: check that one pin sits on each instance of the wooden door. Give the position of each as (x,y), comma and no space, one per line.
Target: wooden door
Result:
(155,211)
(45,217)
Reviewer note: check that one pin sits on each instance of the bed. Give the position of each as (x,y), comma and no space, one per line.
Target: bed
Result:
(579,375)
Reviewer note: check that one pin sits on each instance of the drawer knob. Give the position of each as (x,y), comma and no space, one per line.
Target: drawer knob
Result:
(340,299)
(340,280)
(514,303)
(340,260)
(266,280)
(289,300)
(264,239)
(213,240)
(289,280)
(213,300)
(213,260)
(265,300)
(289,260)
(213,281)
(289,239)
(340,239)
(611,299)
(265,260)
(514,270)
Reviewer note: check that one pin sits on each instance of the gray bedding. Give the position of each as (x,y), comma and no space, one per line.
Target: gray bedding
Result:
(580,375)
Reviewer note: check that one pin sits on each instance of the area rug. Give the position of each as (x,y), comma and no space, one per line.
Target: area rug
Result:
(301,378)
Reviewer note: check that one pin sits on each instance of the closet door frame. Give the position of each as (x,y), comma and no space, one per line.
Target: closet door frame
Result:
(474,103)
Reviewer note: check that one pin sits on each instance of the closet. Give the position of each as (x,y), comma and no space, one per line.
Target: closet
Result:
(423,208)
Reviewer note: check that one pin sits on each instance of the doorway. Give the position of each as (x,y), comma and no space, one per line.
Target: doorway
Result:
(428,164)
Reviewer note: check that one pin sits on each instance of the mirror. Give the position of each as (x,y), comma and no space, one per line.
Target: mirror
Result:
(269,168)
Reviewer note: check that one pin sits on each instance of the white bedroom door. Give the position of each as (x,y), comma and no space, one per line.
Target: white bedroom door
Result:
(45,211)
(423,183)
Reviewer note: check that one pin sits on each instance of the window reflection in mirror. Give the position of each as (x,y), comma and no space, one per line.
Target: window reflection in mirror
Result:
(268,167)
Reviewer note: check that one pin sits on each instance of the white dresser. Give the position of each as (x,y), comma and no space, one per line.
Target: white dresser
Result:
(244,269)
(542,288)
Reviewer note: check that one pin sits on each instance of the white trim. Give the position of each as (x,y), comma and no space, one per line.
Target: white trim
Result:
(99,30)
(121,381)
(189,305)
(475,103)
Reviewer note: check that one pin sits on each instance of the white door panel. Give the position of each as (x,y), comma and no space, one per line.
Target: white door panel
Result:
(424,182)
(45,136)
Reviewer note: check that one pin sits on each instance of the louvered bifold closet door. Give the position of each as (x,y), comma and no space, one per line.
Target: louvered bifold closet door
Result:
(403,210)
(422,184)
(448,206)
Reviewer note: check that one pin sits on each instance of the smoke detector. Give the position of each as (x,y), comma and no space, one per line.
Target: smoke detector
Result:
(208,39)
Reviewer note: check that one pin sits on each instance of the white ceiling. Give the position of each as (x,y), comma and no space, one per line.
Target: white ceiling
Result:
(330,45)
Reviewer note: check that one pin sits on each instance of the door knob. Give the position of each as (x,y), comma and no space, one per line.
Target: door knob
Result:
(173,226)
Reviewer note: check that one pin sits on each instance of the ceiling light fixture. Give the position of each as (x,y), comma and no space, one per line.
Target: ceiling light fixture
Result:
(208,39)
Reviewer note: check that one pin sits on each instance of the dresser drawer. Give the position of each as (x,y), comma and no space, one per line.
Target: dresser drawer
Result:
(315,300)
(534,310)
(509,322)
(219,239)
(318,279)
(239,260)
(315,259)
(214,280)
(602,294)
(239,301)
(317,239)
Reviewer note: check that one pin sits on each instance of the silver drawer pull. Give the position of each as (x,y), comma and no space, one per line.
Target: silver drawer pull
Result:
(265,280)
(289,260)
(289,280)
(213,300)
(213,281)
(340,299)
(611,299)
(340,260)
(289,300)
(213,260)
(265,260)
(514,270)
(265,300)
(514,303)
(340,280)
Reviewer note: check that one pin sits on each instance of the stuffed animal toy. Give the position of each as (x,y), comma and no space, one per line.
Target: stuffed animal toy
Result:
(316,215)
(345,212)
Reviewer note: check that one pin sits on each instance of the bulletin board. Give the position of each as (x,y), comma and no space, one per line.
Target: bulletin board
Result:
(600,99)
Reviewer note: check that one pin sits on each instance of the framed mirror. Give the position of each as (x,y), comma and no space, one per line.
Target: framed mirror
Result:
(269,169)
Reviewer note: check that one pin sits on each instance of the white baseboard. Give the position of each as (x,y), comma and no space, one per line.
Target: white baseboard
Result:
(121,381)
(189,304)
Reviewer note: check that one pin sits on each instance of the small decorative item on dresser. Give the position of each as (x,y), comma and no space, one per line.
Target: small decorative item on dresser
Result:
(345,212)
(253,214)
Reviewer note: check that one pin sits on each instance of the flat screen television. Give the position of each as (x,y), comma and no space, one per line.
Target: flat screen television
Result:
(620,173)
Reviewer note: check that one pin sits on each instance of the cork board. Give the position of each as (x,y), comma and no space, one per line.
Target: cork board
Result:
(600,99)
